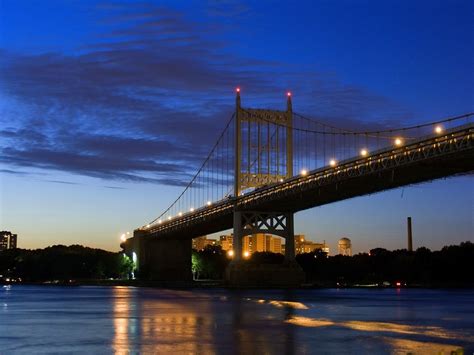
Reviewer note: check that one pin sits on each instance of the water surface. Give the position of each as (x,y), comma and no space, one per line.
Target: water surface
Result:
(145,320)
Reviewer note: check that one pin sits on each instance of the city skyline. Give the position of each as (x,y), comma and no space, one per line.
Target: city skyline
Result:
(86,143)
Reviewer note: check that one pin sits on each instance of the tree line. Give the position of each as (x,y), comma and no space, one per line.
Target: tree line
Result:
(450,266)
(62,263)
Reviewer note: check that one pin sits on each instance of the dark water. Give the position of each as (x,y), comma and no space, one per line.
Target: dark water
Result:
(145,320)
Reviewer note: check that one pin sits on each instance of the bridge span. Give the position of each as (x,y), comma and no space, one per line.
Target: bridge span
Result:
(163,247)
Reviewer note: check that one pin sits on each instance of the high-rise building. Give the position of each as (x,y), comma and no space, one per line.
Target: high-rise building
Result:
(8,240)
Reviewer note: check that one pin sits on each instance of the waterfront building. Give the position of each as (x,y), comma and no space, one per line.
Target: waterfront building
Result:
(226,242)
(200,243)
(8,240)
(307,246)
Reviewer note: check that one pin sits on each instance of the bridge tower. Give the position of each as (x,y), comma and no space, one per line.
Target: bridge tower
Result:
(263,146)
(263,156)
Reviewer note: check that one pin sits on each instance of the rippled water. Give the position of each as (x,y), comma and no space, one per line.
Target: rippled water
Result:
(146,320)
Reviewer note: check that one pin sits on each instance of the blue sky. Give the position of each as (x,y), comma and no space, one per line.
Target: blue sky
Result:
(107,107)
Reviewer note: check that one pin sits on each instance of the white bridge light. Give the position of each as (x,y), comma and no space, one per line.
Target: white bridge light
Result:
(398,142)
(333,162)
(304,172)
(438,129)
(364,152)
(160,221)
(180,214)
(191,209)
(209,203)
(169,218)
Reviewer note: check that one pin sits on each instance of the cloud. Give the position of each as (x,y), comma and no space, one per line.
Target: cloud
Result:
(147,97)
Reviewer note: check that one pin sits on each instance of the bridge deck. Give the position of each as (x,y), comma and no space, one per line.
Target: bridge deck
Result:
(428,158)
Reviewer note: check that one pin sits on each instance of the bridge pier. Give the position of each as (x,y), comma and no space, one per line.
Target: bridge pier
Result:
(240,273)
(160,259)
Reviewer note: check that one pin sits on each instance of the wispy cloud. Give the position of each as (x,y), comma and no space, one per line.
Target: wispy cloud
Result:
(142,101)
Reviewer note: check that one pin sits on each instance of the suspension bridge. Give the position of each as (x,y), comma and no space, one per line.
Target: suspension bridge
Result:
(267,165)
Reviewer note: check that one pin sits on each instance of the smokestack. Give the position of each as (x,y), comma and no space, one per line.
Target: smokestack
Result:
(410,236)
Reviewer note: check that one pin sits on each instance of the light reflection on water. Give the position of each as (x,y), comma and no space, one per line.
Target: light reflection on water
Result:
(128,320)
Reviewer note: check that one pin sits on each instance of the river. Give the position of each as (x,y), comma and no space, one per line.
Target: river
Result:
(129,320)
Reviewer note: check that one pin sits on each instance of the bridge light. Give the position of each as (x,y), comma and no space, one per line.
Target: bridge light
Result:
(439,129)
(304,172)
(246,254)
(398,142)
(159,221)
(364,152)
(288,93)
(180,214)
(332,162)
(281,180)
(128,233)
(230,253)
(191,209)
(169,218)
(237,89)
(123,238)
(148,226)
(209,203)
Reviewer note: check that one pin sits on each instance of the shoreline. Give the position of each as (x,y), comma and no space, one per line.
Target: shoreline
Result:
(211,284)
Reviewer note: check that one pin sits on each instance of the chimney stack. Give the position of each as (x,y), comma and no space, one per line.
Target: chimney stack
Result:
(410,236)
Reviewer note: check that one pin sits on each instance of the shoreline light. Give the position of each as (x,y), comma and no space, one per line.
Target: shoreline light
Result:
(332,162)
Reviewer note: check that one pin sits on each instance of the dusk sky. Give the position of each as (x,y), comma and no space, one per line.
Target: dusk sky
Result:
(107,108)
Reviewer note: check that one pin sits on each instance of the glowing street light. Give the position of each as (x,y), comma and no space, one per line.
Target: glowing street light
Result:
(398,142)
(230,253)
(246,254)
(332,162)
(304,172)
(209,203)
(439,129)
(364,152)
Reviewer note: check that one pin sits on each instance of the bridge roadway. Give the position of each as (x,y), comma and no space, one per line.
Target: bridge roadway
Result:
(428,158)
